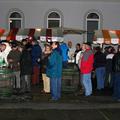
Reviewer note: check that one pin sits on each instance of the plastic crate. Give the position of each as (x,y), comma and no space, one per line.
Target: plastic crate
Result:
(70,78)
(6,79)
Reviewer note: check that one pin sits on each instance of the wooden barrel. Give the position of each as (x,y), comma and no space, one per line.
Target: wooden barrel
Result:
(70,78)
(6,77)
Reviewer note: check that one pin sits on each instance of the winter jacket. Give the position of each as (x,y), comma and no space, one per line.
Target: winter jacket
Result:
(87,62)
(36,54)
(15,55)
(44,62)
(25,63)
(99,60)
(116,62)
(109,59)
(5,53)
(54,66)
(64,48)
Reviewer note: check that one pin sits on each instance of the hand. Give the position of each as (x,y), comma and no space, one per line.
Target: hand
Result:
(10,60)
(38,60)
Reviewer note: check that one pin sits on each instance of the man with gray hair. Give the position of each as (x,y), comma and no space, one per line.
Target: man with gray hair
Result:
(86,68)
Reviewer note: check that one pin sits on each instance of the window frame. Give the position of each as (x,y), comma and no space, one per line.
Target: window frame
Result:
(10,19)
(92,19)
(58,19)
(20,18)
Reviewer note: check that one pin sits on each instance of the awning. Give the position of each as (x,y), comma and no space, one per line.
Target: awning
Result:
(73,31)
(25,33)
(107,36)
(4,35)
(9,35)
(44,34)
(2,31)
(51,34)
(18,34)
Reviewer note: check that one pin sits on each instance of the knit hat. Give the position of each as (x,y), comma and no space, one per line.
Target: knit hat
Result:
(87,43)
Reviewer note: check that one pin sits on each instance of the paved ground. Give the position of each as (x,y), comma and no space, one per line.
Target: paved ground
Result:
(72,106)
(27,114)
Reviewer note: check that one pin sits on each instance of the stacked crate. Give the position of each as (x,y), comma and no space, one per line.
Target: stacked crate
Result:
(6,77)
(70,78)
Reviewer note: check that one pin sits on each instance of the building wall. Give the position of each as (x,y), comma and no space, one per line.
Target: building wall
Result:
(73,13)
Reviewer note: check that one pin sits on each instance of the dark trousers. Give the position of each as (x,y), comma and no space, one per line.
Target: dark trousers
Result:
(109,79)
(25,83)
(116,86)
(36,75)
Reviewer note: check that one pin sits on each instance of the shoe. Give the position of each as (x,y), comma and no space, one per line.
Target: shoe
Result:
(42,91)
(53,100)
(28,91)
(47,92)
(88,95)
(81,92)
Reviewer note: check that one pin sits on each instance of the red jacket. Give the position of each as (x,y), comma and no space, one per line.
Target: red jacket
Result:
(87,62)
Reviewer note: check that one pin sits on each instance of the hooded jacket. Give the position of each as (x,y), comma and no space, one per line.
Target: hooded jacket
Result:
(87,62)
(54,66)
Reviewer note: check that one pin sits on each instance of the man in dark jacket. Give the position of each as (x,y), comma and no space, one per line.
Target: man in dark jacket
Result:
(26,69)
(86,67)
(36,56)
(99,65)
(14,64)
(116,70)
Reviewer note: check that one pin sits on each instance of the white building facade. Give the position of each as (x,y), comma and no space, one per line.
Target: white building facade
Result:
(86,15)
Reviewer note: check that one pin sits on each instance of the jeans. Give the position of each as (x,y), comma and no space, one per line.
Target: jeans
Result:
(116,86)
(55,88)
(100,74)
(86,80)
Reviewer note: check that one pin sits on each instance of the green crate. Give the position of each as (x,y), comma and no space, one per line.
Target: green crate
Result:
(6,77)
(70,78)
(5,92)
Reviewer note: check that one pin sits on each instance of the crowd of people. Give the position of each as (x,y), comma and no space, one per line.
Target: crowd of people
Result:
(27,60)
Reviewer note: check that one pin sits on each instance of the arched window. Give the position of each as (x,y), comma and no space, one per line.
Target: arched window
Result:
(92,23)
(53,20)
(15,20)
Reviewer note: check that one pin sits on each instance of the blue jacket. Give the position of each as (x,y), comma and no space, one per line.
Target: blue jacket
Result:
(54,66)
(36,53)
(64,49)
